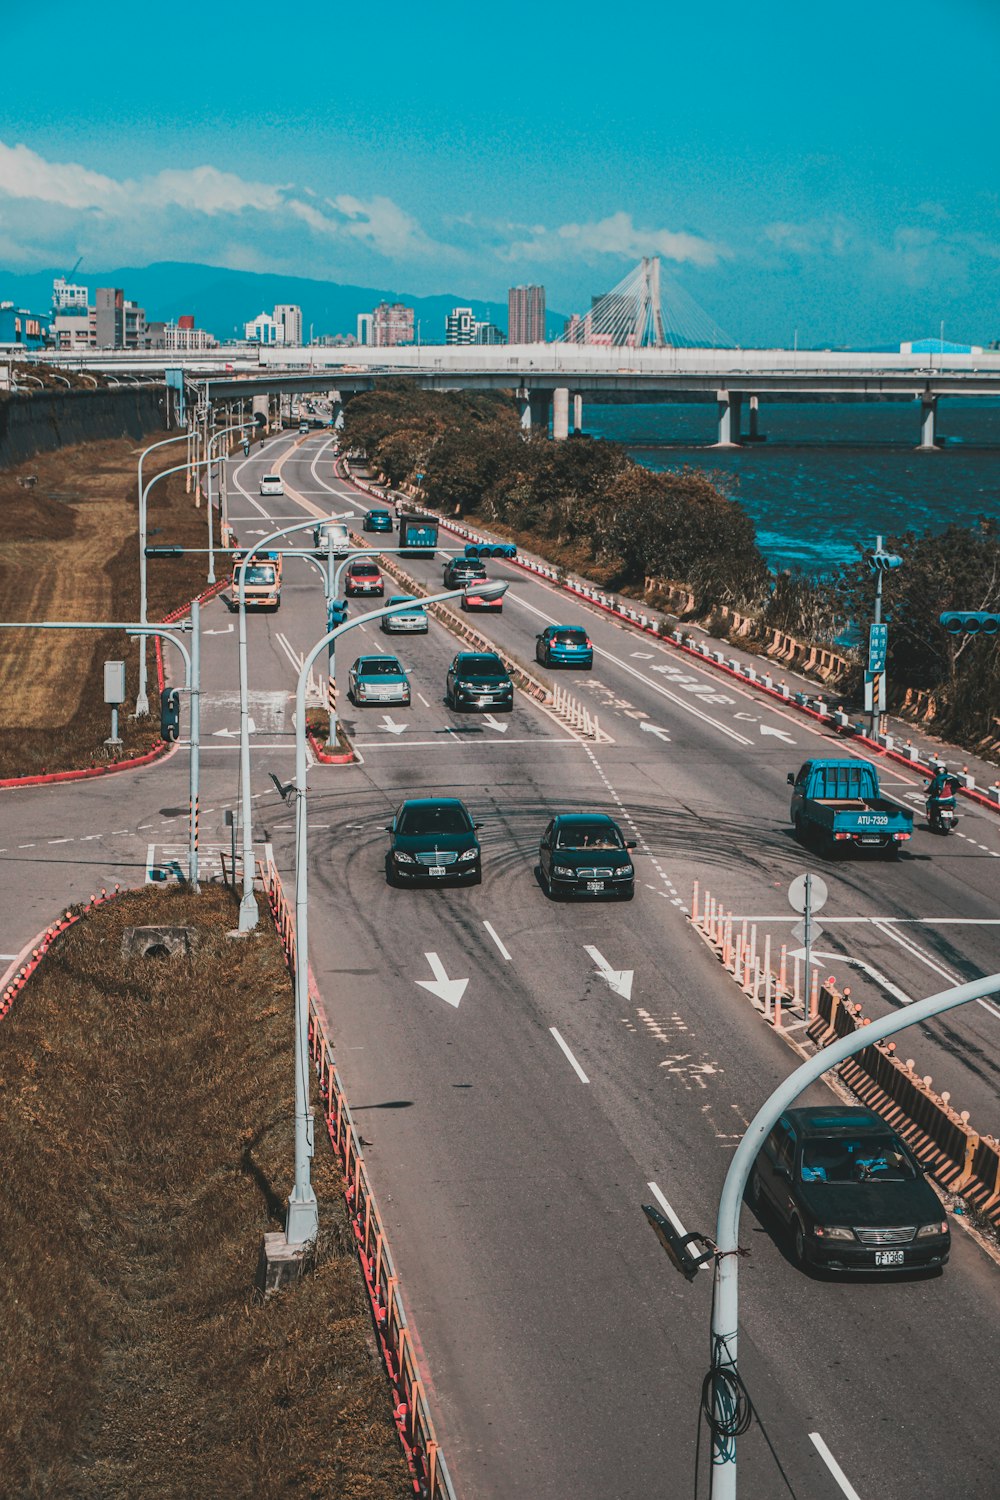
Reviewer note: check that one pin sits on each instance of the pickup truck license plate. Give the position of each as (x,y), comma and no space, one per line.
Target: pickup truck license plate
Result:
(888,1257)
(437,869)
(871,838)
(595,885)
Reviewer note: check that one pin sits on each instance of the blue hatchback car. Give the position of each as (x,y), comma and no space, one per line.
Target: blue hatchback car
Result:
(377,520)
(565,646)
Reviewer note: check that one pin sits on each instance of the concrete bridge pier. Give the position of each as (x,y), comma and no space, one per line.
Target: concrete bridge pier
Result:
(577,413)
(535,411)
(729,407)
(560,414)
(928,416)
(755,435)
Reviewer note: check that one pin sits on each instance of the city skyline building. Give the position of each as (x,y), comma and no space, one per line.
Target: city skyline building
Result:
(526,315)
(289,319)
(68,296)
(460,326)
(392,323)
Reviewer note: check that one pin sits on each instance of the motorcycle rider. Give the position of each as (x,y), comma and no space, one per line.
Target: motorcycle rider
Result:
(940,795)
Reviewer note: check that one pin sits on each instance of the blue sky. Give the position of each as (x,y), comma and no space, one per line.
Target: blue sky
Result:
(825,168)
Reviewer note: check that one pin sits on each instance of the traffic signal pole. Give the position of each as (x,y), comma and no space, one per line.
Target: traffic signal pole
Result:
(876,716)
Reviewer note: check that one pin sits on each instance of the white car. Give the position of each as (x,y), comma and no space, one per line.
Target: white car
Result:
(271,484)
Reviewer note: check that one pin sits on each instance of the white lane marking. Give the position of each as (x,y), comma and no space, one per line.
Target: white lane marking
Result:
(870,970)
(672,1216)
(779,734)
(843,1483)
(573,1062)
(8,956)
(392,726)
(456,739)
(31,846)
(662,734)
(896,921)
(493,934)
(655,687)
(423,700)
(883,925)
(68,841)
(619,980)
(495,723)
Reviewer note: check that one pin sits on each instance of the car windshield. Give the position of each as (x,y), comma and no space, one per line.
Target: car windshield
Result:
(402,599)
(481,666)
(589,836)
(363,570)
(271,479)
(843,1158)
(570,637)
(434,820)
(380,666)
(259,574)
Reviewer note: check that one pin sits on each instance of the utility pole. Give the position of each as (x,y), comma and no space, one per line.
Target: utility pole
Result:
(878,641)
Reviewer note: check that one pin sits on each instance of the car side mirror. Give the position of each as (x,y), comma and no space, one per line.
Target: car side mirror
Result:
(546,843)
(781,1171)
(477,825)
(791,778)
(386,827)
(631,843)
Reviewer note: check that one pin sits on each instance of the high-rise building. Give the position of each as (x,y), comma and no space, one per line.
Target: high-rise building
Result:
(119,323)
(179,336)
(526,315)
(289,318)
(392,323)
(365,324)
(263,330)
(487,333)
(460,326)
(68,298)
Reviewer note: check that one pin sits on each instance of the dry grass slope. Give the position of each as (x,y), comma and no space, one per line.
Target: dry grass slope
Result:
(145,1131)
(71,552)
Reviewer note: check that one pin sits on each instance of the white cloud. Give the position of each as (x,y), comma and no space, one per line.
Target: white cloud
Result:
(833,235)
(616,236)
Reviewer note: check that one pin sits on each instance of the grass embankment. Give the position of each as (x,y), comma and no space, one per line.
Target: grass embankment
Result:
(146,1134)
(71,549)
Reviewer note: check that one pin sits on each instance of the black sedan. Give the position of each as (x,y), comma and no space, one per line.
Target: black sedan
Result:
(850,1192)
(433,839)
(479,679)
(585,854)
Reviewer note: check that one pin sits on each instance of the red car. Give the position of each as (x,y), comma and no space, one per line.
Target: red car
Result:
(472,600)
(364,578)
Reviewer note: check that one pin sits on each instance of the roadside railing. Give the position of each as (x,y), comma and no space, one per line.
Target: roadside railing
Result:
(411,1411)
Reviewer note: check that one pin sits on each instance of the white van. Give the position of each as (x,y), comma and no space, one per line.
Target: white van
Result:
(332,536)
(271,484)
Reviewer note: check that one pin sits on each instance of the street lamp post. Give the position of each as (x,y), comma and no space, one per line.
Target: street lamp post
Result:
(223,518)
(249,913)
(302,1221)
(143,614)
(142,696)
(726,1386)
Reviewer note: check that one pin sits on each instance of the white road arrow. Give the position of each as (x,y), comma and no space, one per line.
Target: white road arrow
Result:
(388,722)
(449,990)
(661,734)
(225,734)
(495,723)
(620,980)
(779,734)
(228,631)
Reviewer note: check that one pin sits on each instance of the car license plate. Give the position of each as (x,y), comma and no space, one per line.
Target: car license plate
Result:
(595,885)
(870,838)
(437,869)
(888,1257)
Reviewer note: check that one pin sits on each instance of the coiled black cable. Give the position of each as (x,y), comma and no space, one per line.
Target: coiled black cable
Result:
(723,1391)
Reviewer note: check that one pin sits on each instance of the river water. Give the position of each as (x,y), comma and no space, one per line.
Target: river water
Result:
(830,476)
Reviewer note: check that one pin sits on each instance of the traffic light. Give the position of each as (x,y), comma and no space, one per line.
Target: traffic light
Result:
(170,714)
(490,549)
(336,613)
(884,562)
(970,622)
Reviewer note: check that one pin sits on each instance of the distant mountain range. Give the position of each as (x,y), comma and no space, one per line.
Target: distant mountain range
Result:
(222,301)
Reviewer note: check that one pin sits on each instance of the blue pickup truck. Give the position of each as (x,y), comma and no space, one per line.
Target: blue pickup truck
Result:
(836,803)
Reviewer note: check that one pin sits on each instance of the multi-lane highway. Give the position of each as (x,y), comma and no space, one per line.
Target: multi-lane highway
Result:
(598,1057)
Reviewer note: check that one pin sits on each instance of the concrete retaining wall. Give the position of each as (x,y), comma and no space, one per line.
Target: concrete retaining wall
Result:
(49,420)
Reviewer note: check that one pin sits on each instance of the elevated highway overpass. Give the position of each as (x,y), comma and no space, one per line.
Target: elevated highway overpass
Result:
(552,381)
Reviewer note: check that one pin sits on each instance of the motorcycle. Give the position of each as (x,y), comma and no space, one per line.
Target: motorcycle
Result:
(941,813)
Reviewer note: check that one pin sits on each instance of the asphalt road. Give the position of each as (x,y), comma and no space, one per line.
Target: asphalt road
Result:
(512,1139)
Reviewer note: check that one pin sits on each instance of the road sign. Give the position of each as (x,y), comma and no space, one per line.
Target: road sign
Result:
(874,692)
(797,893)
(878,642)
(801,936)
